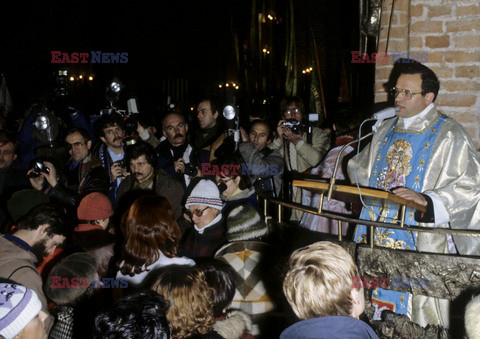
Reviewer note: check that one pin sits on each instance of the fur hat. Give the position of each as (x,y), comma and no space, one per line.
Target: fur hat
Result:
(205,193)
(94,206)
(244,223)
(472,318)
(71,278)
(18,306)
(24,201)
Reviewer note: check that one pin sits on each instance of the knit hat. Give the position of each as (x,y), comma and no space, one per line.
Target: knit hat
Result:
(23,201)
(205,193)
(244,223)
(18,306)
(94,206)
(70,278)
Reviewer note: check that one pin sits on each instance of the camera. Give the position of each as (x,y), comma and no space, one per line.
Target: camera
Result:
(265,186)
(122,163)
(190,170)
(37,170)
(295,126)
(131,124)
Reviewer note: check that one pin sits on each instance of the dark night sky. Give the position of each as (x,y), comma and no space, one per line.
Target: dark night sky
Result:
(162,39)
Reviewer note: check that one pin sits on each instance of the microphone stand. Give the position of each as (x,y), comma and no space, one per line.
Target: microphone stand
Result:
(337,162)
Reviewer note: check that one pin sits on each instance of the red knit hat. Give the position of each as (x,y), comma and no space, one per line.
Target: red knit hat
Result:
(94,206)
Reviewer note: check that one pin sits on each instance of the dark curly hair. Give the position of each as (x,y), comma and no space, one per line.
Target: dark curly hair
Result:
(141,315)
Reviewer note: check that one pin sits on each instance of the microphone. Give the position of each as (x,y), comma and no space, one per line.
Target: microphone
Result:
(222,187)
(386,113)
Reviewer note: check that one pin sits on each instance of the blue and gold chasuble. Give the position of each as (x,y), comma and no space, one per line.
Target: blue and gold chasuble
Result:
(401,160)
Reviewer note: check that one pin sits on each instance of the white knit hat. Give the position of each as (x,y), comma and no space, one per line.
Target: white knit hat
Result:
(18,306)
(205,193)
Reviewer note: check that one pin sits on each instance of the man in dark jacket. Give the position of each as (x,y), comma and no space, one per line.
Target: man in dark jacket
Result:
(175,155)
(143,176)
(211,135)
(11,179)
(82,161)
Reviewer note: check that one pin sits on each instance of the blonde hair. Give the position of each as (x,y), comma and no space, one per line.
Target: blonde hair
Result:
(190,300)
(318,281)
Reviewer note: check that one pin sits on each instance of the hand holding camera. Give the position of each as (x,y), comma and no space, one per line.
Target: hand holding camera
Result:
(291,130)
(40,172)
(118,170)
(182,168)
(179,166)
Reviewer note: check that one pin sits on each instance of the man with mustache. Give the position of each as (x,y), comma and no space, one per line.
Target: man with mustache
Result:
(144,177)
(111,131)
(37,235)
(174,153)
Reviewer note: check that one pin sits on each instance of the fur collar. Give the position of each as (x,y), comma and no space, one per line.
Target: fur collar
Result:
(472,318)
(234,326)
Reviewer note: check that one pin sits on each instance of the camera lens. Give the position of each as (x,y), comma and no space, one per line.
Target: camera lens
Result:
(190,170)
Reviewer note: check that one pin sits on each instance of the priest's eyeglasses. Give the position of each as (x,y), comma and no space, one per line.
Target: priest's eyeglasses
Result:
(197,212)
(406,92)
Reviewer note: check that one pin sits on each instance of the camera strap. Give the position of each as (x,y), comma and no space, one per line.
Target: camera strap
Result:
(309,134)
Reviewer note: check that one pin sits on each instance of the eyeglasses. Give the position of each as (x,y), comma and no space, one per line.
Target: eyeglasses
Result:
(75,145)
(406,92)
(223,179)
(291,111)
(197,212)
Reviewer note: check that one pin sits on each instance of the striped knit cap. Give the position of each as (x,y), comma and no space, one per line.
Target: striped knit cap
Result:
(205,193)
(244,223)
(18,306)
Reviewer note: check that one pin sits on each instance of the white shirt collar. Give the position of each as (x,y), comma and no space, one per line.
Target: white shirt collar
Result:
(407,122)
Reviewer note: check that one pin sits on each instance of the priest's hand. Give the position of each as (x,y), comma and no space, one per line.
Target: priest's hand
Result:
(411,195)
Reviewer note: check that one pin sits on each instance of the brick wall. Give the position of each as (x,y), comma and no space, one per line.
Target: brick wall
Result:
(447,32)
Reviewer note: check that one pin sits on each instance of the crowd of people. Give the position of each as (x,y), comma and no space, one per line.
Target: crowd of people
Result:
(159,234)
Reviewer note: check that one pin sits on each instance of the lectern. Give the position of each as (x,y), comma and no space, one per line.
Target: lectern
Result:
(371,196)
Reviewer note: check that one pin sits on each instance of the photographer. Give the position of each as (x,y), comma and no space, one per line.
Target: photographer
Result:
(175,155)
(265,165)
(299,150)
(45,177)
(111,131)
